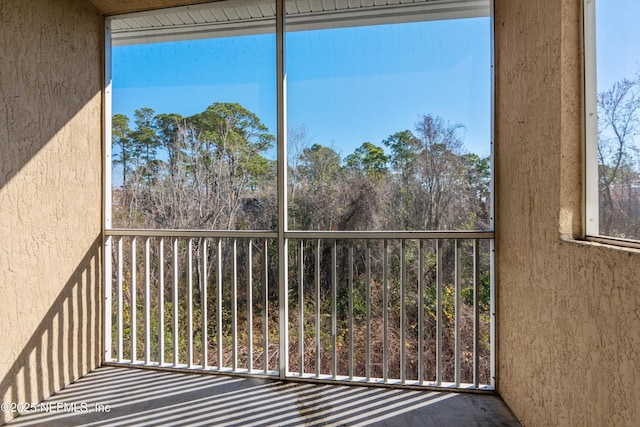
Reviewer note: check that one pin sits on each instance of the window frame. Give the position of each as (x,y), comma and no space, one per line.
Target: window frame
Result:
(591,205)
(592,208)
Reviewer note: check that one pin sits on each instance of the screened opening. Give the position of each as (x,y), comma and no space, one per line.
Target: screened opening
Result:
(388,116)
(307,196)
(194,129)
(389,126)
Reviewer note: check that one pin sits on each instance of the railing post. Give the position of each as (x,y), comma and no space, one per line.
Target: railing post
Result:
(108,283)
(234,307)
(456,295)
(120,303)
(301,310)
(420,311)
(317,298)
(250,306)
(438,312)
(476,312)
(265,304)
(492,296)
(203,302)
(219,307)
(147,301)
(385,312)
(334,309)
(175,301)
(190,303)
(161,302)
(133,307)
(351,310)
(403,284)
(368,304)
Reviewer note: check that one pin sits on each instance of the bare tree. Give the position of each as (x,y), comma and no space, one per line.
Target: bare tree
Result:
(436,185)
(618,122)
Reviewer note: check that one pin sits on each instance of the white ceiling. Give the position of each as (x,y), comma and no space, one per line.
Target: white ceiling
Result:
(237,17)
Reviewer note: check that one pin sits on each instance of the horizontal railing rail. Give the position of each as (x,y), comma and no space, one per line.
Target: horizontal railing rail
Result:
(389,235)
(381,307)
(304,234)
(133,232)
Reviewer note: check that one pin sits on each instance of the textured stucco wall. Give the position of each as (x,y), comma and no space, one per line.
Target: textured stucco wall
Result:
(568,311)
(50,195)
(112,7)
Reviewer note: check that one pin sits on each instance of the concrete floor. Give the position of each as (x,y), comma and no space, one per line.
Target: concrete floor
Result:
(113,396)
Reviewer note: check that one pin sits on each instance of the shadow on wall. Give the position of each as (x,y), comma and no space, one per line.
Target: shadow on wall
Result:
(45,79)
(66,343)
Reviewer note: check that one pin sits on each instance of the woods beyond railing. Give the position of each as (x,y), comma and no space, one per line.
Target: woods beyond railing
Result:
(408,308)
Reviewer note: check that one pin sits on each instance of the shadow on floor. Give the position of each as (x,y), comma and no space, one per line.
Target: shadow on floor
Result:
(112,396)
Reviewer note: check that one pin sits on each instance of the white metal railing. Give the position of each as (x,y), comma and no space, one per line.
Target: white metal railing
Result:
(407,308)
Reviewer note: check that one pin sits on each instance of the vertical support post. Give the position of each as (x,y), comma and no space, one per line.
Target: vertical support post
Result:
(492,268)
(492,224)
(283,250)
(106,217)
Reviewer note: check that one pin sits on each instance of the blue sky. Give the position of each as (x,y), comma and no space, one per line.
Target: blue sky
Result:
(346,86)
(617,37)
